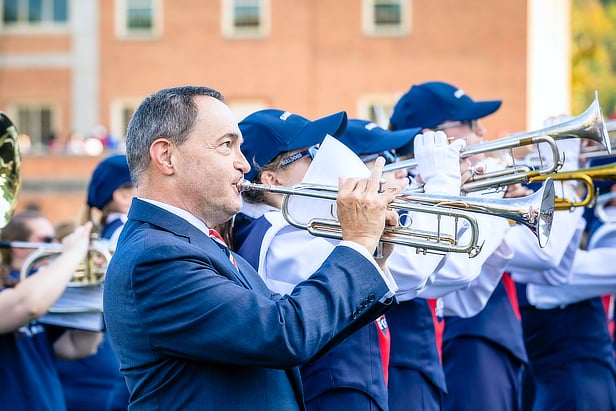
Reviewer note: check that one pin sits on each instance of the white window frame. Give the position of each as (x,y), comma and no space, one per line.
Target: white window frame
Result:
(117,127)
(383,101)
(371,29)
(37,146)
(43,27)
(122,31)
(230,31)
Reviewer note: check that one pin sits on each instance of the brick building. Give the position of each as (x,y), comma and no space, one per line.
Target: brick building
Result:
(67,66)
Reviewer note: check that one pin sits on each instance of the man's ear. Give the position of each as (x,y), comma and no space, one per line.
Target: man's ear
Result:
(161,151)
(269,178)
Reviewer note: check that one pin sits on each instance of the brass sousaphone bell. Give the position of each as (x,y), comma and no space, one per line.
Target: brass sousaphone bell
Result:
(10,168)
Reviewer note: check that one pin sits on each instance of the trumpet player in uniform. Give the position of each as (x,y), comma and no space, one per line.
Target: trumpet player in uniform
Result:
(95,383)
(29,380)
(281,146)
(487,348)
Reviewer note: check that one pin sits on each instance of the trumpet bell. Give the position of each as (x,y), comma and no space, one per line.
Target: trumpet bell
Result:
(10,168)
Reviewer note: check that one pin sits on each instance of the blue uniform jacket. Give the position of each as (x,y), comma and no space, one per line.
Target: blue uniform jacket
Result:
(193,333)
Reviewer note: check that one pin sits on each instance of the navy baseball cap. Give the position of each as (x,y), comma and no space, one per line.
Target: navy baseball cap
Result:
(429,104)
(365,137)
(107,177)
(270,132)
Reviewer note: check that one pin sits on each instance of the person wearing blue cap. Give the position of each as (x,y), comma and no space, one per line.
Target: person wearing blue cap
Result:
(192,322)
(566,327)
(29,380)
(487,349)
(281,146)
(95,382)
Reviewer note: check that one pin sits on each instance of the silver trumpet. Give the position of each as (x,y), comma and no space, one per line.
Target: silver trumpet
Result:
(534,211)
(600,203)
(589,125)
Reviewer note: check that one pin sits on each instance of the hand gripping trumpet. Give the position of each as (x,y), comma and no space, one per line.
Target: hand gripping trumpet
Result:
(534,211)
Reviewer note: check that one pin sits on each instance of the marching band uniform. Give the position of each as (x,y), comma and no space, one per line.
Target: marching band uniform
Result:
(430,105)
(27,355)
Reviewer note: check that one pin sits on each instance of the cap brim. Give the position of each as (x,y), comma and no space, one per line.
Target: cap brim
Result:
(392,140)
(478,109)
(315,131)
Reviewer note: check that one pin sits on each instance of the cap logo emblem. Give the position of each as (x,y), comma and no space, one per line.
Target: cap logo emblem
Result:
(370,126)
(459,93)
(285,115)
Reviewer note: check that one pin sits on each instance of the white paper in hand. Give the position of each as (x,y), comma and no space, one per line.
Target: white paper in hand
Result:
(333,160)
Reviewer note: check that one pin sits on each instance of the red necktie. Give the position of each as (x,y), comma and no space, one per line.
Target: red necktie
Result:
(511,293)
(384,344)
(215,235)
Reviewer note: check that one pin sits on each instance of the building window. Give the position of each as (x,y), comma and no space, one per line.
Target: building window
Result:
(34,14)
(138,18)
(121,113)
(386,17)
(377,108)
(245,18)
(35,123)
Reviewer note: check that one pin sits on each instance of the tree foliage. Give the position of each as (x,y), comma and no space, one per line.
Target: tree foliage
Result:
(593,24)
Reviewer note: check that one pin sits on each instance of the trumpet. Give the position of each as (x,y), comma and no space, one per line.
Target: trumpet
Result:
(589,125)
(586,176)
(91,272)
(597,150)
(534,211)
(600,203)
(10,168)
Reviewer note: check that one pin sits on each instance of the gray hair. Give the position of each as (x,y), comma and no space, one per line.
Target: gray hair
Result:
(169,113)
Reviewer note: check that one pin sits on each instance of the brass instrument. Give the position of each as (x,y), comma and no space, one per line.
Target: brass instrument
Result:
(589,125)
(534,211)
(91,272)
(600,203)
(10,168)
(586,176)
(597,150)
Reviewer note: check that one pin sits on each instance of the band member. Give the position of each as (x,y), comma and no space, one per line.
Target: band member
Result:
(180,307)
(282,144)
(27,347)
(487,348)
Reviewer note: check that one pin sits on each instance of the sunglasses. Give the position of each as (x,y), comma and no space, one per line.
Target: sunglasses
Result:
(472,125)
(310,152)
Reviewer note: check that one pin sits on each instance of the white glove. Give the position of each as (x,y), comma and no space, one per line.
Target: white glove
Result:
(439,162)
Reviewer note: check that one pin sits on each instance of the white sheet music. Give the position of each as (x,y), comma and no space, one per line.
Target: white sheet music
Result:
(333,160)
(78,307)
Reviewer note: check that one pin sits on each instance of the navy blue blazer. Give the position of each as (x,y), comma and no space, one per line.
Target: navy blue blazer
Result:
(193,333)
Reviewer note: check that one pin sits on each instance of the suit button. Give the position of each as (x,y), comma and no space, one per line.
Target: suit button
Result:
(371,298)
